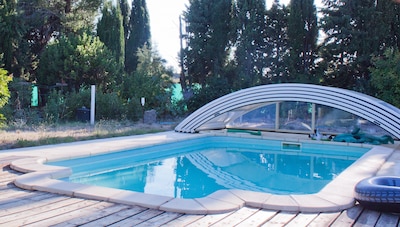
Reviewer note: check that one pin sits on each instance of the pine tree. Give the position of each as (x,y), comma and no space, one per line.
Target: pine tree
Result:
(302,39)
(138,34)
(251,42)
(208,35)
(352,38)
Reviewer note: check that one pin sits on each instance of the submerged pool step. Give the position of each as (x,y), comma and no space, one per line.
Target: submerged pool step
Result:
(290,146)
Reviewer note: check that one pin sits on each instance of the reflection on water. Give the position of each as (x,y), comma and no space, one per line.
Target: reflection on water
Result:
(198,174)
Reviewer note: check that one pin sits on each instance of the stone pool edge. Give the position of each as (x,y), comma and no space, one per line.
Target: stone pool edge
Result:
(336,196)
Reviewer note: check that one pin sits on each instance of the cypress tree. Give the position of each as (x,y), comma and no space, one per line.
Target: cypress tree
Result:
(277,43)
(208,34)
(125,11)
(251,42)
(302,38)
(111,32)
(138,34)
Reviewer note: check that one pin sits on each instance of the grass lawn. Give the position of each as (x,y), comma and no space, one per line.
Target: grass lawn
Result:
(28,136)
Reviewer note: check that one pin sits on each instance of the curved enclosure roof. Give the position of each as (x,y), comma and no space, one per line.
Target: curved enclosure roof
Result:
(220,113)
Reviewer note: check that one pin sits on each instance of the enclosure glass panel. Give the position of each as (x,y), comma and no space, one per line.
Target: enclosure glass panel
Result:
(295,116)
(262,118)
(332,120)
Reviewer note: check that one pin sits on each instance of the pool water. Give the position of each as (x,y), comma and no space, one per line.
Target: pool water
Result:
(196,168)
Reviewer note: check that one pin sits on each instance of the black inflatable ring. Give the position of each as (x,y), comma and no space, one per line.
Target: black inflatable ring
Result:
(379,193)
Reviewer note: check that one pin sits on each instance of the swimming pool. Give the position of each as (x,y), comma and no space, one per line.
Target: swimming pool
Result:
(199,167)
(335,196)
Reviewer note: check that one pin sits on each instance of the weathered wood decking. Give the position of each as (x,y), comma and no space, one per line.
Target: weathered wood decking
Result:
(32,208)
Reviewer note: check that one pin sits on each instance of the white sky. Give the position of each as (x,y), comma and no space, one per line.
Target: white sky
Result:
(164,25)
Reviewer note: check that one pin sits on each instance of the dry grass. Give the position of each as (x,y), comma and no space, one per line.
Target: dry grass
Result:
(24,136)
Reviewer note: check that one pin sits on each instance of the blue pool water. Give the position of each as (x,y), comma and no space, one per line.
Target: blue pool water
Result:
(196,168)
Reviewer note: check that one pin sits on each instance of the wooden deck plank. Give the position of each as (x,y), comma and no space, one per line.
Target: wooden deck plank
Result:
(367,218)
(183,220)
(258,218)
(237,217)
(280,219)
(348,217)
(95,211)
(26,216)
(209,220)
(52,214)
(324,219)
(161,219)
(25,205)
(108,215)
(11,193)
(387,219)
(135,219)
(301,219)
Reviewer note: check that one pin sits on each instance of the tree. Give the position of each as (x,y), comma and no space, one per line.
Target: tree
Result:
(77,60)
(385,76)
(250,24)
(208,37)
(352,38)
(4,92)
(302,40)
(388,28)
(111,31)
(138,34)
(151,80)
(47,19)
(11,33)
(277,44)
(125,12)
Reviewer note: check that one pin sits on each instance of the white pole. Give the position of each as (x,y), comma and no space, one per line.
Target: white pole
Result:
(92,103)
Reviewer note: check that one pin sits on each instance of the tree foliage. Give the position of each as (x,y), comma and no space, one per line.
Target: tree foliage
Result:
(151,80)
(208,37)
(385,76)
(11,32)
(4,92)
(78,60)
(138,34)
(352,38)
(250,24)
(110,30)
(277,44)
(302,40)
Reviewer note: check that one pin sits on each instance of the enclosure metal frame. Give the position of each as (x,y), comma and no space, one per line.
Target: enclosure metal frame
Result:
(367,107)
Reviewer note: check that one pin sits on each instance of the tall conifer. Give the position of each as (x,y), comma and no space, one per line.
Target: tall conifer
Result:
(251,41)
(208,35)
(277,43)
(110,30)
(352,29)
(302,38)
(138,33)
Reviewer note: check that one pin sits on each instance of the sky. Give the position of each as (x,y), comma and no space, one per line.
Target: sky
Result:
(164,26)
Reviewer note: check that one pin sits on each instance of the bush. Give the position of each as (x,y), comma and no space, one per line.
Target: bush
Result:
(109,106)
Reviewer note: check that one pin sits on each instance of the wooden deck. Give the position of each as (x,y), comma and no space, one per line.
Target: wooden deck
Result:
(33,208)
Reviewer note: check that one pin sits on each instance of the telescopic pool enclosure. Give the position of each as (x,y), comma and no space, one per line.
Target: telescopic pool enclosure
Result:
(299,108)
